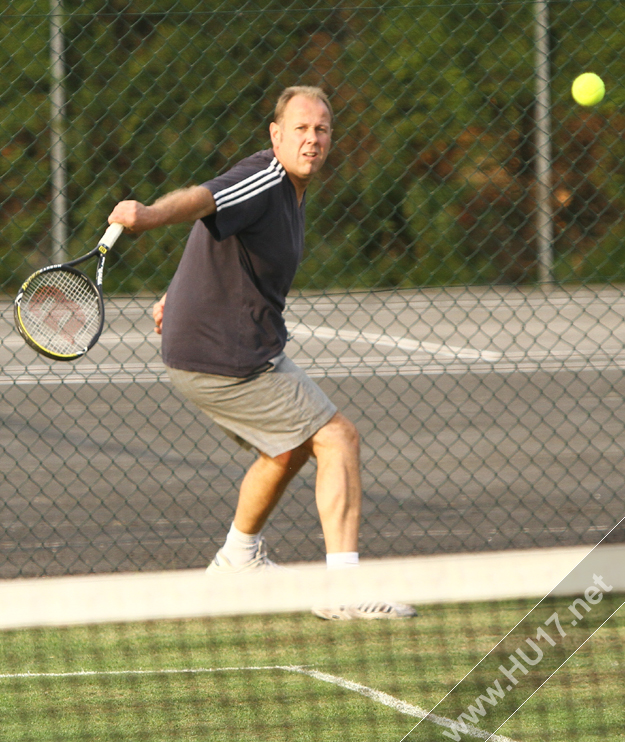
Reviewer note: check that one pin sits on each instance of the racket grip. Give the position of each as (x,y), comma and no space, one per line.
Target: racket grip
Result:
(109,238)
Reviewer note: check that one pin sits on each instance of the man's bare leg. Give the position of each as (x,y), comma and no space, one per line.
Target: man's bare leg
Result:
(336,447)
(263,485)
(338,490)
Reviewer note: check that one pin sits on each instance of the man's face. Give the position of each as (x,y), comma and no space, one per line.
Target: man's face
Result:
(302,141)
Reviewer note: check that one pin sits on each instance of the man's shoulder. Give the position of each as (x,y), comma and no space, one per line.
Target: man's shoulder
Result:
(248,178)
(258,159)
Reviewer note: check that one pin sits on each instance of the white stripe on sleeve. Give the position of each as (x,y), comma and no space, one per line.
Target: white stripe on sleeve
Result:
(251,186)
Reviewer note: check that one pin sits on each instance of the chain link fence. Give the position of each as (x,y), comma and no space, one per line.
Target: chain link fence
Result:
(461,297)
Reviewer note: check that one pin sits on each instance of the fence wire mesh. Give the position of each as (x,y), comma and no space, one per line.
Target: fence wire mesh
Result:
(461,298)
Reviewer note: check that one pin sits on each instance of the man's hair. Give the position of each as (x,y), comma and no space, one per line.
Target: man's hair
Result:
(308,91)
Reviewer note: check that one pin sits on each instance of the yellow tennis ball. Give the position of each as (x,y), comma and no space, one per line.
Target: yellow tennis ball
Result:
(588,89)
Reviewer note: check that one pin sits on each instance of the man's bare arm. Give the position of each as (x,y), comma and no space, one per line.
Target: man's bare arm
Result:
(183,205)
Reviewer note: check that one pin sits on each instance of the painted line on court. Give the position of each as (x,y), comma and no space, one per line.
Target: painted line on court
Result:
(318,368)
(384,340)
(108,673)
(415,357)
(401,706)
(375,695)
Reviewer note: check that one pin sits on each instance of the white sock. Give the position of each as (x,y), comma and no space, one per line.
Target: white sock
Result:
(240,547)
(342,560)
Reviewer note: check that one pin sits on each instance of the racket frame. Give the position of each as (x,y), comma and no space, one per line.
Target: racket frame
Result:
(101,250)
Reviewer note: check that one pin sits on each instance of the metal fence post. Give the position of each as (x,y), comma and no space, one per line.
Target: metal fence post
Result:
(58,164)
(544,215)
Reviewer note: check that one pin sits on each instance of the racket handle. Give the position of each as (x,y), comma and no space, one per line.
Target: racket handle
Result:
(109,238)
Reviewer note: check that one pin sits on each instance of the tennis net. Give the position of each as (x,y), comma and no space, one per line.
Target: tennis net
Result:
(181,655)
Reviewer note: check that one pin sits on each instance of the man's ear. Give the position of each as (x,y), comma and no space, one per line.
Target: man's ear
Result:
(274,132)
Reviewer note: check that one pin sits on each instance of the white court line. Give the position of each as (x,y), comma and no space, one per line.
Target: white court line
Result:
(439,358)
(390,341)
(299,329)
(401,706)
(318,368)
(375,695)
(107,673)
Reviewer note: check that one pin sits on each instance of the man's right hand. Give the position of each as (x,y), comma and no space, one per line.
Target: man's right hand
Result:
(132,214)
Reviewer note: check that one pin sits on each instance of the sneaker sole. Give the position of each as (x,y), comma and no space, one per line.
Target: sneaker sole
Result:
(348,613)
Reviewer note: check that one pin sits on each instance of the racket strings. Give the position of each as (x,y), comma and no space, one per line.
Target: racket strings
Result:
(60,311)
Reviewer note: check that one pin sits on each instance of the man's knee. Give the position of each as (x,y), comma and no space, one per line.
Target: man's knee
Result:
(338,432)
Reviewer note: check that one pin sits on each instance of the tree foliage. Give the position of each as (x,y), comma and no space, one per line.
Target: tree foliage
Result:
(432,176)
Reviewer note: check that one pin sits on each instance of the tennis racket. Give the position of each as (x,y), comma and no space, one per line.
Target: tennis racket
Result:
(59,310)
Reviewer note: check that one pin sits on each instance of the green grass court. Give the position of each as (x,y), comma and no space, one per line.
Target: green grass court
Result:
(225,679)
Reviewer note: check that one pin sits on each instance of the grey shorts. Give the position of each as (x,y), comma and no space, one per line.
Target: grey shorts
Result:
(273,411)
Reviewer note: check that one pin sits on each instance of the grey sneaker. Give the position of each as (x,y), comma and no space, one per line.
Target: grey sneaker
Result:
(261,562)
(372,610)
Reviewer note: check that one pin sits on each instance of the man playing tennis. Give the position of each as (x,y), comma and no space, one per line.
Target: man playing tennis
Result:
(224,337)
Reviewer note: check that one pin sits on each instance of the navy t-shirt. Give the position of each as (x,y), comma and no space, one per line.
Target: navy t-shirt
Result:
(223,313)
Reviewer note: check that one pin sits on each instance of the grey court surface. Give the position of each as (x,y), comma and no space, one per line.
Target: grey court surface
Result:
(490,419)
